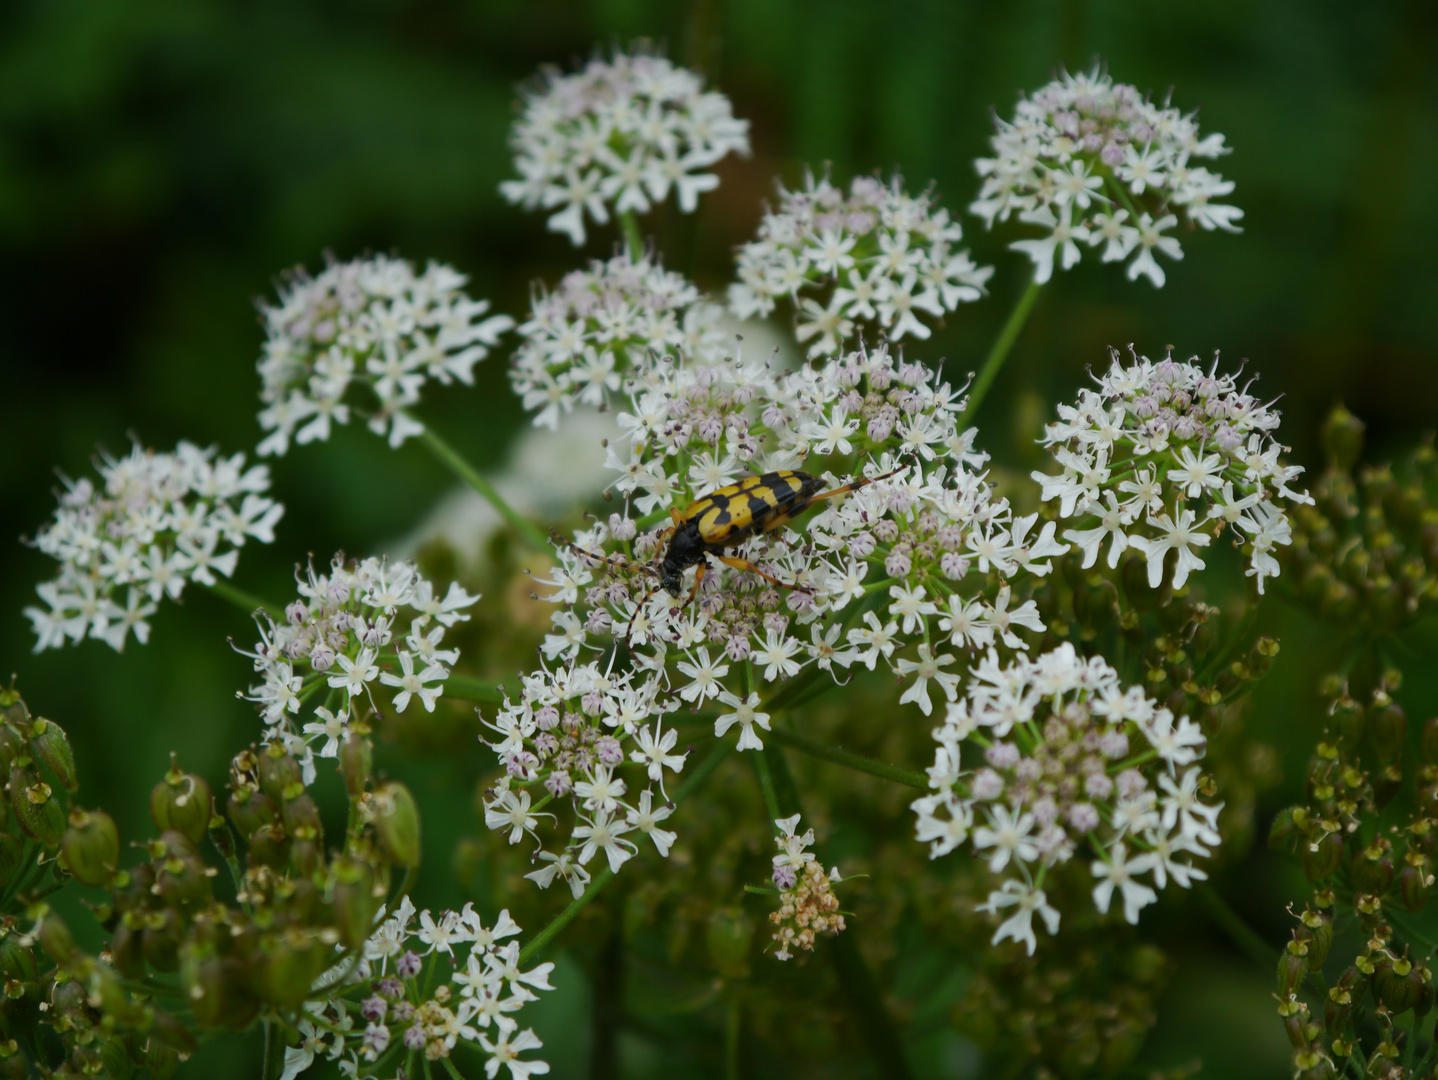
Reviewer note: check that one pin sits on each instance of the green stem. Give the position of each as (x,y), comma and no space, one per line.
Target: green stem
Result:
(999,353)
(629,225)
(565,917)
(883,770)
(531,532)
(766,783)
(449,1067)
(731,1038)
(274,1061)
(1243,935)
(241,599)
(467,689)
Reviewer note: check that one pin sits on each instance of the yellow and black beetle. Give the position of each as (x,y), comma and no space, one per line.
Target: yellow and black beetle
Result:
(728,516)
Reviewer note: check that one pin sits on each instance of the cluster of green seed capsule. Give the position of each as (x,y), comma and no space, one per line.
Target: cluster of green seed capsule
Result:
(1365,555)
(1371,861)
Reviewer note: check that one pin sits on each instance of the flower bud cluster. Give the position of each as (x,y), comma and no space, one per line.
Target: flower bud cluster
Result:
(344,634)
(582,339)
(151,524)
(619,135)
(1367,551)
(807,904)
(876,256)
(425,987)
(1095,162)
(375,323)
(1067,761)
(1152,441)
(1385,871)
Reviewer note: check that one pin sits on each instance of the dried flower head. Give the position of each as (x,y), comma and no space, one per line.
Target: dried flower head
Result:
(1066,760)
(153,523)
(1092,161)
(1162,457)
(370,322)
(344,632)
(876,256)
(619,135)
(582,339)
(807,904)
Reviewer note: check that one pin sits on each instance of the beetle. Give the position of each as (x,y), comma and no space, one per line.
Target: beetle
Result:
(724,519)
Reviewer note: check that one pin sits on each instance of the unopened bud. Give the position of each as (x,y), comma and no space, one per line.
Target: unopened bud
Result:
(183,802)
(396,823)
(36,809)
(91,848)
(52,747)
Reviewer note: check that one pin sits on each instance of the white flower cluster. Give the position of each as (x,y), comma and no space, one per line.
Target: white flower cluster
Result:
(807,904)
(1063,759)
(907,570)
(406,1012)
(619,134)
(1092,161)
(373,322)
(1149,442)
(876,255)
(151,524)
(339,639)
(584,337)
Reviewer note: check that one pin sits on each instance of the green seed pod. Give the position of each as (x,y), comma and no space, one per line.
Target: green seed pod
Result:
(160,1058)
(162,938)
(1348,723)
(270,846)
(127,948)
(12,747)
(91,848)
(1322,857)
(355,903)
(1387,782)
(1372,870)
(184,882)
(1397,984)
(288,964)
(1319,928)
(218,994)
(172,1033)
(1292,968)
(1387,728)
(356,763)
(302,818)
(183,802)
(1124,1039)
(12,853)
(279,773)
(251,812)
(1283,829)
(36,809)
(17,960)
(396,823)
(52,747)
(56,939)
(1342,438)
(1413,885)
(730,934)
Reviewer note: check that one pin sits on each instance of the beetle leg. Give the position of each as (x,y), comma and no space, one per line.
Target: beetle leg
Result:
(594,557)
(745,564)
(677,516)
(853,485)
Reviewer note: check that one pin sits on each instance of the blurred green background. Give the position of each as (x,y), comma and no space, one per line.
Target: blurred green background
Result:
(161,162)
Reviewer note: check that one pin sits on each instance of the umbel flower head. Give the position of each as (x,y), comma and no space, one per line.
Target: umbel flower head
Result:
(374,323)
(362,627)
(1051,759)
(426,985)
(151,524)
(582,339)
(1163,457)
(619,135)
(877,256)
(917,562)
(1094,162)
(807,904)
